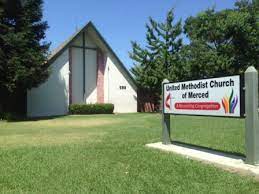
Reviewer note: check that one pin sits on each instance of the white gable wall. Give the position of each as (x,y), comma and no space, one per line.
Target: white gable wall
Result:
(124,100)
(51,97)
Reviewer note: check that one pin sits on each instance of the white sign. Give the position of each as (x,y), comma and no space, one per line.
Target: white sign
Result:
(215,96)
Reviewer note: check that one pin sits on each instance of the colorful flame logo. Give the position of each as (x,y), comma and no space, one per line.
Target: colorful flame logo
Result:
(230,103)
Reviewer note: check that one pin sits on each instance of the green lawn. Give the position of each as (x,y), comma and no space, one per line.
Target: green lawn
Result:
(107,153)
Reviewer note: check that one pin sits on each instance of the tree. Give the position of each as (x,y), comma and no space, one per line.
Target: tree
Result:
(223,42)
(160,57)
(23,52)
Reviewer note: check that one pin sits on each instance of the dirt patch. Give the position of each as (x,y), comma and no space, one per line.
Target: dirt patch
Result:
(54,131)
(49,139)
(74,123)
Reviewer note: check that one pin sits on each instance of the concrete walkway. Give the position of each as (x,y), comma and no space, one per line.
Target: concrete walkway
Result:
(228,162)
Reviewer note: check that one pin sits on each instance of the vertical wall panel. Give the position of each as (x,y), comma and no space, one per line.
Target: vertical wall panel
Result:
(77,75)
(90,76)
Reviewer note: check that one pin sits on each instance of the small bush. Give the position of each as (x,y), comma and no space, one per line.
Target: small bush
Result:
(91,109)
(1,116)
(9,116)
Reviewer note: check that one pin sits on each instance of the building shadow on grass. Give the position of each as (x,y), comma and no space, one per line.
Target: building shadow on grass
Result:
(17,118)
(234,155)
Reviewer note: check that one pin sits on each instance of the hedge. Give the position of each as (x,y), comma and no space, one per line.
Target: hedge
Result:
(12,116)
(91,109)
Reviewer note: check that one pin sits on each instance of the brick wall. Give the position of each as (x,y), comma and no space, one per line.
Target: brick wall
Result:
(101,62)
(147,102)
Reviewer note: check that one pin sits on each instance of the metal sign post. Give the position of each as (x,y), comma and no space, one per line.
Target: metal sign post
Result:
(251,114)
(165,120)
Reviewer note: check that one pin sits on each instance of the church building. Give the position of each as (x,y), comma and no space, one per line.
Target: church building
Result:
(83,70)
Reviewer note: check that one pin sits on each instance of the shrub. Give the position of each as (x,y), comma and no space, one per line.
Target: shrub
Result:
(91,109)
(9,116)
(1,116)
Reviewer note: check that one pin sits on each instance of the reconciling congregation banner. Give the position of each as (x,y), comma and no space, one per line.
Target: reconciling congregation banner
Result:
(215,97)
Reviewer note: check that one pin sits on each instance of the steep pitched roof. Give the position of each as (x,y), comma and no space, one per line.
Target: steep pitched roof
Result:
(56,52)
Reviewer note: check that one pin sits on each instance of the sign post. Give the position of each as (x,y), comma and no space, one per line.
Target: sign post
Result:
(165,120)
(251,113)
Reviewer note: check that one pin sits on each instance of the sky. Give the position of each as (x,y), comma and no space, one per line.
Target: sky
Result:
(119,21)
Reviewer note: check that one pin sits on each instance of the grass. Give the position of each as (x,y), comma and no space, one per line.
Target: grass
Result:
(107,154)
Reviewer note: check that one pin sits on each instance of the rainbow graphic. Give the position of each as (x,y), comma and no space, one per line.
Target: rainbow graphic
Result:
(229,103)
